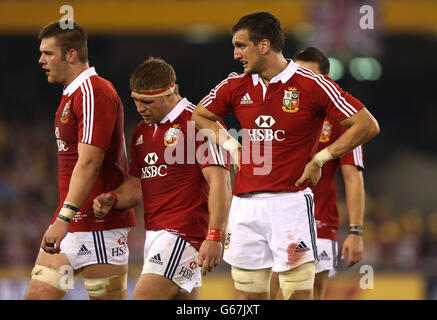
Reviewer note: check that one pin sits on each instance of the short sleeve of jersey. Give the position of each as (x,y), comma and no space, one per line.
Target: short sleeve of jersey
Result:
(355,158)
(337,103)
(96,114)
(134,169)
(219,99)
(209,154)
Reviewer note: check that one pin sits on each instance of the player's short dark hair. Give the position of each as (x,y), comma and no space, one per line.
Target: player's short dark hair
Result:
(153,74)
(67,39)
(262,25)
(312,54)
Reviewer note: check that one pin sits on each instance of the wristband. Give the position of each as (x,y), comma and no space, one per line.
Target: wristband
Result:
(214,235)
(231,145)
(356,229)
(323,156)
(68,211)
(115,198)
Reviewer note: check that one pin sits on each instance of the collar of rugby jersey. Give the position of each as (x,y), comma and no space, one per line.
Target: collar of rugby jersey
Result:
(69,90)
(283,76)
(176,111)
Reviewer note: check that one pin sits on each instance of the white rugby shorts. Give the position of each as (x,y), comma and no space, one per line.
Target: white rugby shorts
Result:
(170,256)
(94,247)
(328,256)
(271,230)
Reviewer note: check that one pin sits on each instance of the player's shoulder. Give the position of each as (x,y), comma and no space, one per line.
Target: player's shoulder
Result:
(102,85)
(309,79)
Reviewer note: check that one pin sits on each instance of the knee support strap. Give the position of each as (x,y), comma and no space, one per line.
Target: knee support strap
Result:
(101,286)
(299,278)
(252,280)
(51,276)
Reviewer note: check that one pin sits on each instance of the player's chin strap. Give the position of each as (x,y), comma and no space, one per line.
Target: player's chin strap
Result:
(153,94)
(100,286)
(299,278)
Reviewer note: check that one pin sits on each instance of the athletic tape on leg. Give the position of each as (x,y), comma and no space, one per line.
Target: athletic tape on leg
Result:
(252,280)
(299,278)
(101,286)
(50,276)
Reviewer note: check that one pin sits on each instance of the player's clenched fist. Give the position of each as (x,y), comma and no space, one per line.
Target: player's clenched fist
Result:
(102,204)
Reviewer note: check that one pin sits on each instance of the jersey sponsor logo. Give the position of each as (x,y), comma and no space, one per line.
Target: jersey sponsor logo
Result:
(265,134)
(57,132)
(186,273)
(326,131)
(156,259)
(152,171)
(193,265)
(246,99)
(171,136)
(324,256)
(62,145)
(301,247)
(66,112)
(139,140)
(290,102)
(83,251)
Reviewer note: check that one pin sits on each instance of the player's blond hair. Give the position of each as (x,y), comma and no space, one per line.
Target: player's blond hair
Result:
(153,74)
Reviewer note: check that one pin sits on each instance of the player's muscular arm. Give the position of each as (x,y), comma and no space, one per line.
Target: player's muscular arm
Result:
(355,197)
(82,180)
(127,195)
(214,131)
(362,127)
(219,201)
(85,173)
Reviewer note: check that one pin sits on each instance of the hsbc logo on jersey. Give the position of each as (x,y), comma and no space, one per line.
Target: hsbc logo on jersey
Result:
(265,134)
(151,158)
(153,171)
(265,121)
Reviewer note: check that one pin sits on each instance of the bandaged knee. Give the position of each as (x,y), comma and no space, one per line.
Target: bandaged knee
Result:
(300,278)
(53,277)
(101,286)
(252,280)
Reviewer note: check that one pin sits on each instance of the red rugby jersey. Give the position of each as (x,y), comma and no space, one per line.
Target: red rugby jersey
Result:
(169,161)
(283,122)
(325,192)
(91,112)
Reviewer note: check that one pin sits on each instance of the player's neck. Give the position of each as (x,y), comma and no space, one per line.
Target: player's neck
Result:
(75,71)
(274,65)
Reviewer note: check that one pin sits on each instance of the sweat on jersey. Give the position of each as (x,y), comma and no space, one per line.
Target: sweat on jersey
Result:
(91,112)
(168,159)
(284,120)
(325,192)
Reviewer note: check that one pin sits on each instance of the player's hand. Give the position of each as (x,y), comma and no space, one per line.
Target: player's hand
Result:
(311,171)
(236,159)
(354,246)
(102,204)
(209,255)
(51,241)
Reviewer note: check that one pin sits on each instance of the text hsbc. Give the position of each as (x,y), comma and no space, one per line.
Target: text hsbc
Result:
(153,171)
(266,135)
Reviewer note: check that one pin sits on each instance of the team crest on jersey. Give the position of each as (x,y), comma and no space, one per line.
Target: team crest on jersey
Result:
(290,102)
(326,131)
(66,112)
(171,136)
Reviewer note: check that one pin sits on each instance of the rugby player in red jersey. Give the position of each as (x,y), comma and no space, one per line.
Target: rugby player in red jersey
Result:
(185,184)
(281,108)
(92,158)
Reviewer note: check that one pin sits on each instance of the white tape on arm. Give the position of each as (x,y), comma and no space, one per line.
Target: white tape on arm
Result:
(322,157)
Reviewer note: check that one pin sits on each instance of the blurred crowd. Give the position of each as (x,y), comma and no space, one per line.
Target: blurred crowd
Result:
(394,240)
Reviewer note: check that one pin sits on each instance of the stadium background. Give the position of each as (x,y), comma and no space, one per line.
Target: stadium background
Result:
(394,77)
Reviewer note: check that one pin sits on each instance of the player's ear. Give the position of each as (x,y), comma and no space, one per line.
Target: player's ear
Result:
(264,46)
(72,55)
